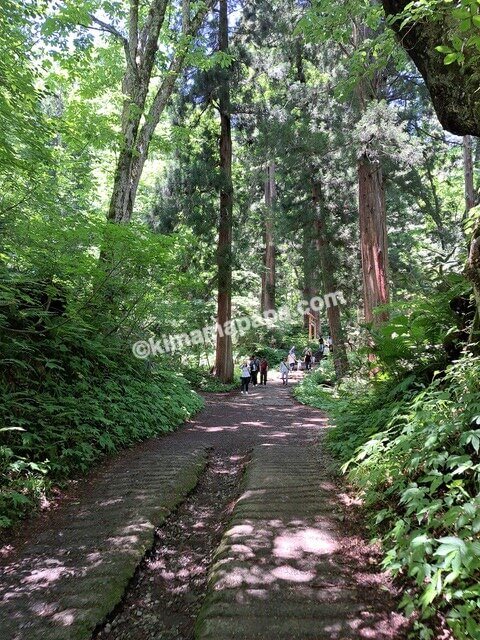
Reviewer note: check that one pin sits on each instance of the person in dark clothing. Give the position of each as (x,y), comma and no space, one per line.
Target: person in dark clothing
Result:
(321,348)
(308,359)
(263,371)
(254,368)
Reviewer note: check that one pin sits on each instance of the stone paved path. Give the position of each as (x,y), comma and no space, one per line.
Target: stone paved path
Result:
(66,580)
(289,566)
(281,572)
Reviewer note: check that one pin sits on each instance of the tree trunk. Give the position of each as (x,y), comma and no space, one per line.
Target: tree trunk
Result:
(473,262)
(140,116)
(472,272)
(267,302)
(373,239)
(468,173)
(310,261)
(224,360)
(327,267)
(452,87)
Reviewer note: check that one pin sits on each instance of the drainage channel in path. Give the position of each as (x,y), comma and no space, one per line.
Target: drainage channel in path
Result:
(167,592)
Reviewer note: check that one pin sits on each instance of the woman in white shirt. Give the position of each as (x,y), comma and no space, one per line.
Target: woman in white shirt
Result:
(291,360)
(245,377)
(284,369)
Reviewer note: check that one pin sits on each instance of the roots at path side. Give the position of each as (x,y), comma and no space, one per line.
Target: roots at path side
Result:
(165,597)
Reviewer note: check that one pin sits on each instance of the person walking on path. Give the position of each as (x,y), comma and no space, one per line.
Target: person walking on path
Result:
(254,367)
(284,370)
(308,359)
(263,371)
(291,359)
(321,348)
(330,343)
(245,377)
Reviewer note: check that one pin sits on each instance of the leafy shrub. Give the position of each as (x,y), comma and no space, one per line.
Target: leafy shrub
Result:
(413,453)
(202,380)
(414,336)
(70,389)
(88,405)
(273,356)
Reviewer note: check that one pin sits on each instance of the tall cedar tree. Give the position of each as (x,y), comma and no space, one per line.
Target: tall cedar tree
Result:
(329,283)
(267,301)
(224,359)
(371,209)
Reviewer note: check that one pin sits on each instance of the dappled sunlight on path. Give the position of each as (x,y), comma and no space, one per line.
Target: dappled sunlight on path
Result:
(288,566)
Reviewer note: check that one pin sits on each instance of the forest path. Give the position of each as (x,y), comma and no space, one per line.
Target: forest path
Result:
(276,554)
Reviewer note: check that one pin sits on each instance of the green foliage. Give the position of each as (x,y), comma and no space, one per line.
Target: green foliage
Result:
(461,44)
(72,398)
(413,337)
(202,380)
(71,390)
(413,453)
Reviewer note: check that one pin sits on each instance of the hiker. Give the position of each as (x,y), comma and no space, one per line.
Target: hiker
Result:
(321,347)
(330,343)
(308,359)
(245,377)
(284,369)
(263,371)
(291,359)
(254,367)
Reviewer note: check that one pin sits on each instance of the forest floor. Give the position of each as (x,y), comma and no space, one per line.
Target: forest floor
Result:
(234,527)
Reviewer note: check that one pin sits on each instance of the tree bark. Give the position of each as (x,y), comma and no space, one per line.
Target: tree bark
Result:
(373,239)
(224,360)
(468,173)
(140,52)
(453,88)
(372,213)
(472,272)
(310,261)
(327,267)
(267,302)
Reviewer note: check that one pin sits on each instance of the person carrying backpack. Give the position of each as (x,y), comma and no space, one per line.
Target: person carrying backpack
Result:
(263,371)
(245,377)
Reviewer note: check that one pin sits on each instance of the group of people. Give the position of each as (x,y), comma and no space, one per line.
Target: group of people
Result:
(325,346)
(252,368)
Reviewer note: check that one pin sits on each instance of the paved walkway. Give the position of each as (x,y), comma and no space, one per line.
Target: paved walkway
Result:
(288,566)
(66,580)
(282,572)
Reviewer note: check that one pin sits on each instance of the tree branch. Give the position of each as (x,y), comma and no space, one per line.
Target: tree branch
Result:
(133,29)
(109,28)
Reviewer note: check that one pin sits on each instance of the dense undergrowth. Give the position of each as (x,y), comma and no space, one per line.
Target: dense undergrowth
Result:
(202,380)
(70,388)
(95,401)
(410,445)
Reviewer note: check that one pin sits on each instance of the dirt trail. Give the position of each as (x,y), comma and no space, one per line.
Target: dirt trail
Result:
(72,593)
